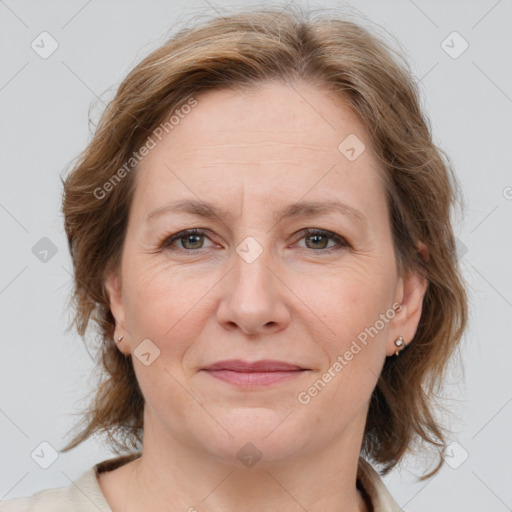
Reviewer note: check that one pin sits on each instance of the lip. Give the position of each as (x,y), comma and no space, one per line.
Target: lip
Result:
(250,375)
(267,365)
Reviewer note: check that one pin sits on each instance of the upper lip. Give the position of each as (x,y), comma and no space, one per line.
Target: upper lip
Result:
(267,365)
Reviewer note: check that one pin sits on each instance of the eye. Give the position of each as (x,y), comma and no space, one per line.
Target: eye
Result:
(190,240)
(318,239)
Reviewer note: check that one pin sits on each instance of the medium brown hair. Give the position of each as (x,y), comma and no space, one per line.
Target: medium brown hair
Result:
(245,50)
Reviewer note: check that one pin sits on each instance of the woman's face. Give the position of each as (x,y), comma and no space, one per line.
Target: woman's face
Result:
(251,172)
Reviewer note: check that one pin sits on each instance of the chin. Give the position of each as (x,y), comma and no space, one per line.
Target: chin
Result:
(259,437)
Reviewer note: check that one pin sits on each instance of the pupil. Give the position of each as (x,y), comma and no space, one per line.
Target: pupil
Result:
(191,238)
(316,237)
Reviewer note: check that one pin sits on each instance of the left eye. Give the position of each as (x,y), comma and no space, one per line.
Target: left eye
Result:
(316,239)
(319,238)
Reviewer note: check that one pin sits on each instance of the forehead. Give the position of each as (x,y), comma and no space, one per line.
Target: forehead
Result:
(272,112)
(281,137)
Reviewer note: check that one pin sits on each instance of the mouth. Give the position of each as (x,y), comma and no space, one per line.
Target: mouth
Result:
(250,375)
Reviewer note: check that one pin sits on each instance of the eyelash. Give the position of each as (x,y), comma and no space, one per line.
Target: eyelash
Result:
(342,243)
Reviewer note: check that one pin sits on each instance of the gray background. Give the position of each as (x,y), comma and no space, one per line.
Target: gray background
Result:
(44,104)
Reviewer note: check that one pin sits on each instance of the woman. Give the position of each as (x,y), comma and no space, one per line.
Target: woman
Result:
(260,228)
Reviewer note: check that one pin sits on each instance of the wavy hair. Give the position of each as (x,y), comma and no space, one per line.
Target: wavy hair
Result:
(239,51)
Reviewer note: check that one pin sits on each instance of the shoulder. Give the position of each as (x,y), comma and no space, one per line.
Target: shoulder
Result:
(375,490)
(83,495)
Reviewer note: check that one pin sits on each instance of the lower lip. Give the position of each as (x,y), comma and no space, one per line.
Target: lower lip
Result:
(254,379)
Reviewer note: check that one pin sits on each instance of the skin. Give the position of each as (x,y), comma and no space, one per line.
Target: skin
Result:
(253,154)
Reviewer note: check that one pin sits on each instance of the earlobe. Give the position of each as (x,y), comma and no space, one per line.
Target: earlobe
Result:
(411,292)
(114,292)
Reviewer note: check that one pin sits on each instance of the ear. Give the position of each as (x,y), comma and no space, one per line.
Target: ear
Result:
(114,290)
(410,292)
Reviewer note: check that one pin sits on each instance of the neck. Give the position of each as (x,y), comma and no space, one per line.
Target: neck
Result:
(185,478)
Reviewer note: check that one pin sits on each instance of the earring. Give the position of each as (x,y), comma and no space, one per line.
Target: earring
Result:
(120,338)
(399,344)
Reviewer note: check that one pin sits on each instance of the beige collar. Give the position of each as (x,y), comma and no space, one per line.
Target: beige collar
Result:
(369,482)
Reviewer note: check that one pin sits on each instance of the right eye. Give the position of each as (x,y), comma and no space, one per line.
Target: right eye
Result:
(190,240)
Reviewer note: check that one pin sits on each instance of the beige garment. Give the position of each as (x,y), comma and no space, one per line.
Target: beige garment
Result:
(84,494)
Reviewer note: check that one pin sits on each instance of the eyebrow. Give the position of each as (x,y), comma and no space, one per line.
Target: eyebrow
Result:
(301,209)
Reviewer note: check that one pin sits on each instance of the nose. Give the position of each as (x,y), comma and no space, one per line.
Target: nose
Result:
(253,297)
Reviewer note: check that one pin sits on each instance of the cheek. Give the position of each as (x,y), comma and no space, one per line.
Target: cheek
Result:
(358,311)
(168,308)
(351,301)
(356,316)
(161,298)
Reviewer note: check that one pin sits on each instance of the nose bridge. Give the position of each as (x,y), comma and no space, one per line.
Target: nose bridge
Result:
(252,299)
(251,272)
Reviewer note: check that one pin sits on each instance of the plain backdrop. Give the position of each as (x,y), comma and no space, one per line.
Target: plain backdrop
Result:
(45,103)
